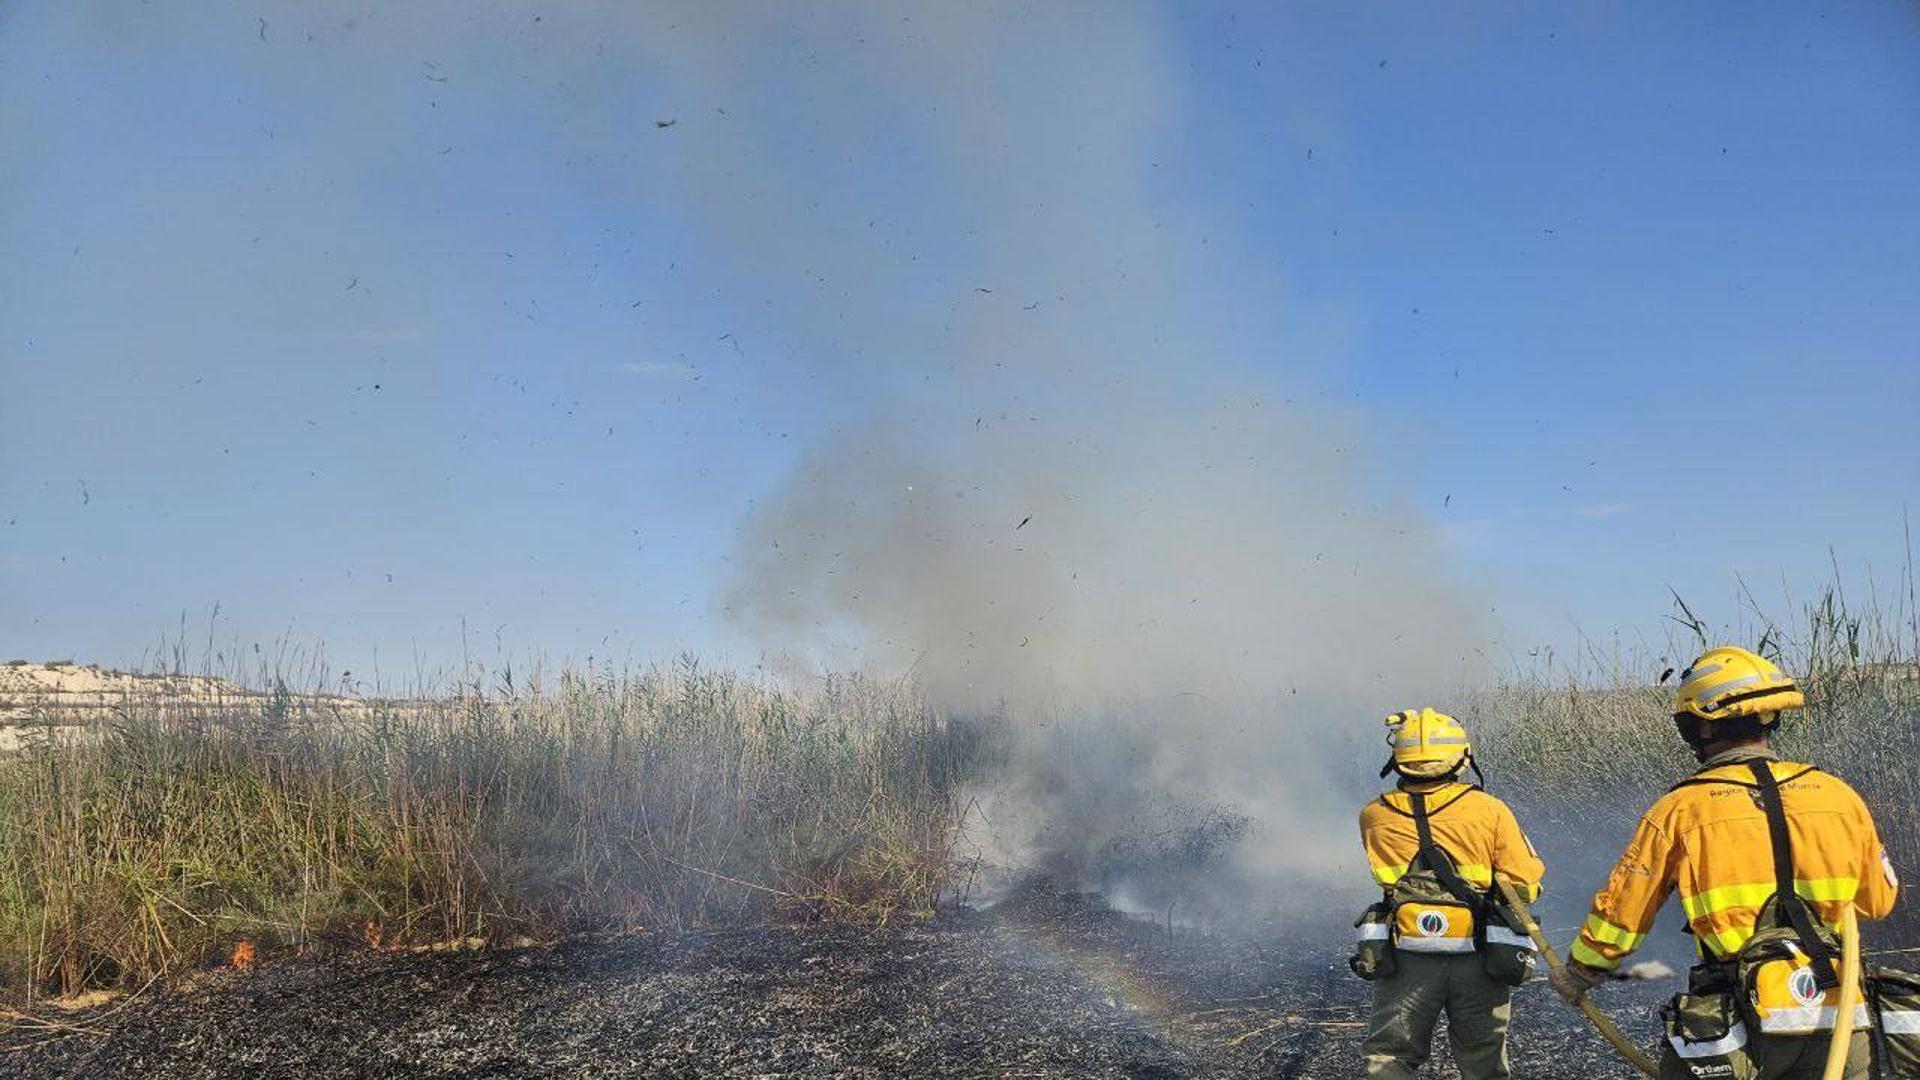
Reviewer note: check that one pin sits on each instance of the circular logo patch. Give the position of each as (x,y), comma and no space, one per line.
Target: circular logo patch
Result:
(1432,923)
(1801,985)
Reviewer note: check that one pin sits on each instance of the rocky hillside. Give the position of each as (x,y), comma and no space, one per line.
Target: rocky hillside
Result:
(59,695)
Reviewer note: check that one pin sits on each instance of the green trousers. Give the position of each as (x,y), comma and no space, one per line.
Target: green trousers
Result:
(1408,1003)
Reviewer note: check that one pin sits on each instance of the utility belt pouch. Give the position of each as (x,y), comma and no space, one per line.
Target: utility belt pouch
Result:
(1428,919)
(1706,1039)
(1893,1002)
(1714,977)
(1505,950)
(1373,943)
(1779,983)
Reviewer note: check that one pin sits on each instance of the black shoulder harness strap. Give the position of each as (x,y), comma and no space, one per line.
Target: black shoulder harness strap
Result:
(1436,857)
(1787,901)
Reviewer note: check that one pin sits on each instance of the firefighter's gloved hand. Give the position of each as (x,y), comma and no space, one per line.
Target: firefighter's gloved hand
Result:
(1572,981)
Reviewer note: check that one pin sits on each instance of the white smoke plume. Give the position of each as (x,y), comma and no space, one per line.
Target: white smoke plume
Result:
(1082,472)
(1071,462)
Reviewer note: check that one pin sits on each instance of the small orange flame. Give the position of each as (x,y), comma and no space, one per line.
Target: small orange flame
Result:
(371,931)
(243,956)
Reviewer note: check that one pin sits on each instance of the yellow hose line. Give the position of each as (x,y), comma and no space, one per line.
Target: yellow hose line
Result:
(1849,996)
(1635,1056)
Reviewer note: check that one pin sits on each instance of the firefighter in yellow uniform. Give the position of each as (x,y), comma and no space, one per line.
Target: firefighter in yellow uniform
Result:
(1731,839)
(1434,845)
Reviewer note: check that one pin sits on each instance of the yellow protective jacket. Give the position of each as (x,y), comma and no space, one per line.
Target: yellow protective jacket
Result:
(1709,842)
(1472,826)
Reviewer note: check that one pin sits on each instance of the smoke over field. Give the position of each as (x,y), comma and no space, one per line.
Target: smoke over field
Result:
(1071,483)
(1068,464)
(1196,612)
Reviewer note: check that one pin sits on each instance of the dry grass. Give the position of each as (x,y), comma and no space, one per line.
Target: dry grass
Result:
(682,797)
(674,797)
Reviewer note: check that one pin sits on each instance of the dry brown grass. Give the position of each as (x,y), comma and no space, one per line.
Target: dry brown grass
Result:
(676,797)
(512,810)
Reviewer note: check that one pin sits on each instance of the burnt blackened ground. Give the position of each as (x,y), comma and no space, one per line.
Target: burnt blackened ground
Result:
(1050,985)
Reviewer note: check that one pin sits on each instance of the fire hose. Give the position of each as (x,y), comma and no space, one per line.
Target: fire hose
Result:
(1849,996)
(1635,1056)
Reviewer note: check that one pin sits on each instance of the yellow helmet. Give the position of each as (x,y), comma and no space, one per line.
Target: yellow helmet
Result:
(1427,745)
(1730,682)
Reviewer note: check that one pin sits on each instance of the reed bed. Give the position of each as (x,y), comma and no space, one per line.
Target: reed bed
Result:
(508,808)
(676,797)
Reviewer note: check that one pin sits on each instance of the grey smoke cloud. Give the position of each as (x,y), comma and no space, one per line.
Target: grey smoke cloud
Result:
(1079,350)
(1171,545)
(1082,473)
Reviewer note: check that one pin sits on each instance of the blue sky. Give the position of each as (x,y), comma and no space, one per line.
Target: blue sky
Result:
(368,326)
(1642,281)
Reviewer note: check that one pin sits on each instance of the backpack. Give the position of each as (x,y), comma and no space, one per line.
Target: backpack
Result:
(1433,910)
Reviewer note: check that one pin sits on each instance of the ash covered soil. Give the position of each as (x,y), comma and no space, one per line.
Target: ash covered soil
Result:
(1053,985)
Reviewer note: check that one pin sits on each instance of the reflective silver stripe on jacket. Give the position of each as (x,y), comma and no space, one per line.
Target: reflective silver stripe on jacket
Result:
(1500,935)
(1808,1018)
(1434,944)
(1734,1039)
(1374,931)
